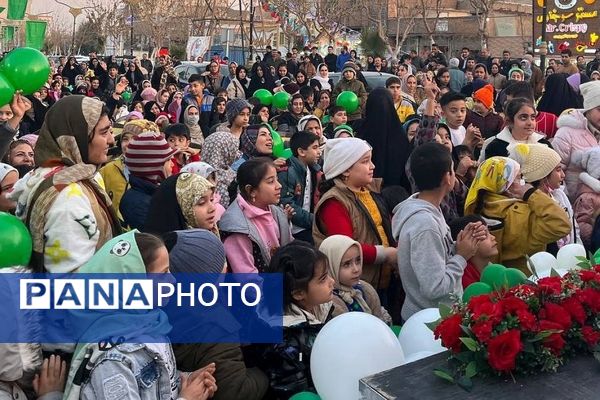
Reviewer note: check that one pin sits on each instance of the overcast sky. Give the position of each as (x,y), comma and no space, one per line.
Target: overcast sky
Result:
(59,12)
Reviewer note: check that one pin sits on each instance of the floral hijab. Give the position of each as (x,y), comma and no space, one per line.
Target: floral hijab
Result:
(495,175)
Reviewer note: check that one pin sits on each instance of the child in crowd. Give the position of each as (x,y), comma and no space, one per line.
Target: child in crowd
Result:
(148,159)
(253,227)
(431,265)
(206,171)
(115,174)
(528,219)
(482,116)
(197,251)
(404,108)
(578,130)
(587,204)
(351,205)
(348,82)
(337,117)
(307,295)
(343,131)
(182,201)
(120,363)
(350,293)
(178,137)
(486,251)
(454,112)
(191,119)
(299,181)
(541,167)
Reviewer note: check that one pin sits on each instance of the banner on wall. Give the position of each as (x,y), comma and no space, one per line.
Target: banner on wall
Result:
(197,46)
(16,9)
(35,33)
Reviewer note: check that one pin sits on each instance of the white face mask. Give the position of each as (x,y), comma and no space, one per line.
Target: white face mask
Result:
(193,119)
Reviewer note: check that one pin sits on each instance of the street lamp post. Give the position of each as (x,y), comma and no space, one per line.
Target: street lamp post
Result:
(75,12)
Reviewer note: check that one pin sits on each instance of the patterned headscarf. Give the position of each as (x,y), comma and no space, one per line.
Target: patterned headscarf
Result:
(188,190)
(248,141)
(495,175)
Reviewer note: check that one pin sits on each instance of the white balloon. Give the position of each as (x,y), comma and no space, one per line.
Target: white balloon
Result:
(543,262)
(417,356)
(566,256)
(351,346)
(416,337)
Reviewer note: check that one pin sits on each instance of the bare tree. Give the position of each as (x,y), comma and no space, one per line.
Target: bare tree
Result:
(405,16)
(430,11)
(58,38)
(483,10)
(107,18)
(320,19)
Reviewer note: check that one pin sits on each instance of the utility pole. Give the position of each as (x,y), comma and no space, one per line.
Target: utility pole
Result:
(250,57)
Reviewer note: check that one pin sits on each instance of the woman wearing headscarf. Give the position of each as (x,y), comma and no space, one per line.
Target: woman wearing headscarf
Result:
(151,111)
(63,202)
(323,78)
(134,76)
(559,95)
(524,219)
(198,251)
(183,201)
(261,78)
(256,141)
(382,129)
(217,113)
(238,88)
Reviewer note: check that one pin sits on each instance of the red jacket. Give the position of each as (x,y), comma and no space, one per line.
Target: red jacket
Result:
(176,167)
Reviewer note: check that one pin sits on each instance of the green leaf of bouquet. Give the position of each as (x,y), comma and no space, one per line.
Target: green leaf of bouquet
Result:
(465,383)
(554,272)
(471,369)
(445,310)
(433,324)
(470,343)
(465,356)
(443,374)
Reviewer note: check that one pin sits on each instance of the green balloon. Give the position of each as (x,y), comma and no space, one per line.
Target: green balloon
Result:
(305,396)
(126,96)
(495,276)
(7,91)
(396,329)
(287,153)
(277,143)
(264,96)
(348,100)
(326,119)
(476,289)
(281,99)
(26,69)
(514,277)
(15,241)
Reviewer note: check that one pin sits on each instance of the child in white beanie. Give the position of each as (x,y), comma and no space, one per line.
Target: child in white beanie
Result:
(541,167)
(578,130)
(351,205)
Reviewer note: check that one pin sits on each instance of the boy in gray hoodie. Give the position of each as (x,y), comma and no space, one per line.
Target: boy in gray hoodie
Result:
(431,265)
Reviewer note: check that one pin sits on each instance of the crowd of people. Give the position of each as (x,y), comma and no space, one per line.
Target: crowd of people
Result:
(388,209)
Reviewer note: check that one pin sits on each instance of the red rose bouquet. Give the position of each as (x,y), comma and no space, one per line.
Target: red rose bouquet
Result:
(520,328)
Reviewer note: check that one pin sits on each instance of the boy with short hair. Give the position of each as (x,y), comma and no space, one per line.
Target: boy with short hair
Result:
(404,108)
(178,137)
(299,182)
(337,117)
(486,251)
(431,265)
(454,112)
